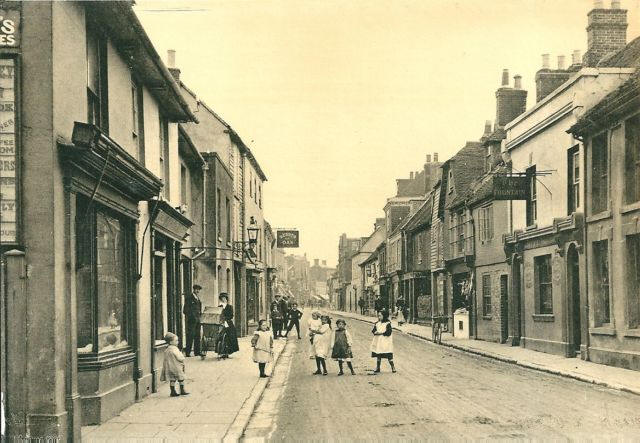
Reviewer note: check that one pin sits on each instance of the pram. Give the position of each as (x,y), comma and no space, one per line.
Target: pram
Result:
(211,330)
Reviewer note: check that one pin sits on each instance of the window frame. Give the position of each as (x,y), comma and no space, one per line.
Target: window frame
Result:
(486,295)
(97,101)
(543,306)
(602,282)
(633,281)
(573,182)
(632,161)
(164,155)
(137,119)
(600,175)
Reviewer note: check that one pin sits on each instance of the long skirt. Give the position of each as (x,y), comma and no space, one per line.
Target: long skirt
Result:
(228,341)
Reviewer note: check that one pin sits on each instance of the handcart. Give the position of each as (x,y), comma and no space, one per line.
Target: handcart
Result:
(212,328)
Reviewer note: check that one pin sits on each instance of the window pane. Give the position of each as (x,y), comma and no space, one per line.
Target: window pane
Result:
(111,290)
(599,188)
(632,148)
(601,263)
(84,276)
(543,273)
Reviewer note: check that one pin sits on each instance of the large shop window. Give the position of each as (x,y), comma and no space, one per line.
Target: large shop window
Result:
(633,273)
(600,179)
(601,282)
(632,160)
(103,248)
(543,283)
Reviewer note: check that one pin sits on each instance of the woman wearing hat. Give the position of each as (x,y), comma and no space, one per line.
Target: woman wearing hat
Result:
(229,338)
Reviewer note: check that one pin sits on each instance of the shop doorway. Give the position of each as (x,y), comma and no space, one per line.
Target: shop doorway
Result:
(573,277)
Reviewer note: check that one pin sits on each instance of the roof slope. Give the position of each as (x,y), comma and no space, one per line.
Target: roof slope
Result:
(467,165)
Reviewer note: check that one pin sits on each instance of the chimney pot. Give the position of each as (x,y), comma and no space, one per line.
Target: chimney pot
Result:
(615,4)
(545,61)
(411,175)
(576,57)
(435,157)
(517,81)
(487,127)
(171,58)
(561,62)
(428,158)
(505,77)
(597,4)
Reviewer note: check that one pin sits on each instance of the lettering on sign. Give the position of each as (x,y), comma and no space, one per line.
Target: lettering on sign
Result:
(9,203)
(288,239)
(9,28)
(507,187)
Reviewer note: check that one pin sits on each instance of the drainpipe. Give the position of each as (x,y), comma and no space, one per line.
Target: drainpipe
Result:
(205,171)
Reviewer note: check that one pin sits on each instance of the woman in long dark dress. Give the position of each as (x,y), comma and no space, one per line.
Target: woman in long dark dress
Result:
(229,343)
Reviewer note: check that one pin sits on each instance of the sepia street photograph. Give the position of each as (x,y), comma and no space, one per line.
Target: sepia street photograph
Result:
(319,220)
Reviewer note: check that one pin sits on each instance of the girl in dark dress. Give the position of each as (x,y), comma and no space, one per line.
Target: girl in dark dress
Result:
(229,340)
(341,343)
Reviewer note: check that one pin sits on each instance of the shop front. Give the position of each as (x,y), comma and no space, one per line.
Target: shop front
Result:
(104,186)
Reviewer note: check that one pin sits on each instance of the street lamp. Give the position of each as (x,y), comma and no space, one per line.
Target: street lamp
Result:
(253,230)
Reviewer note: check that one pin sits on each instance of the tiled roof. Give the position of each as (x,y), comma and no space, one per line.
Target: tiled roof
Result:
(467,165)
(421,217)
(496,136)
(627,57)
(611,108)
(482,188)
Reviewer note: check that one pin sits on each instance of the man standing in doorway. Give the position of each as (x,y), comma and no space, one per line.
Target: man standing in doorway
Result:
(192,311)
(361,305)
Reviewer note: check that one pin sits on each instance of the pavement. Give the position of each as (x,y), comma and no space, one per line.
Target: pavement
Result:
(608,376)
(223,396)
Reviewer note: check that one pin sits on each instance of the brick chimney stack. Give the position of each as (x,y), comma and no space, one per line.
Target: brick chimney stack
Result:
(510,102)
(606,32)
(171,64)
(547,79)
(428,158)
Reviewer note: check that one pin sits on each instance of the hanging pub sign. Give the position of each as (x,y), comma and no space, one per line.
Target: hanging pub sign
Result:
(511,187)
(8,154)
(289,238)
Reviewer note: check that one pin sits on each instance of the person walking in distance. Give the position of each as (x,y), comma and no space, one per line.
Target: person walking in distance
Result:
(294,316)
(361,305)
(284,309)
(341,343)
(322,344)
(382,343)
(262,343)
(377,304)
(192,311)
(276,317)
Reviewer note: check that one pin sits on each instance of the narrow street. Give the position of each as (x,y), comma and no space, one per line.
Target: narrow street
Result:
(440,393)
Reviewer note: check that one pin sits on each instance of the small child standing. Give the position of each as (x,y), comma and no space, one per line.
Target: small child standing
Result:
(262,343)
(313,324)
(173,365)
(321,344)
(295,315)
(341,343)
(382,343)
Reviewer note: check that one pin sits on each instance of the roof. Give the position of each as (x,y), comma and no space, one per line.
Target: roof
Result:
(496,136)
(611,108)
(467,165)
(190,152)
(421,217)
(131,40)
(627,57)
(482,188)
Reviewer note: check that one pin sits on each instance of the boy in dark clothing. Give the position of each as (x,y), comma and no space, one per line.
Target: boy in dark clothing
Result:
(284,309)
(294,319)
(276,317)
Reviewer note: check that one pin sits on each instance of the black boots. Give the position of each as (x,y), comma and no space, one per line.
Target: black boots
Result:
(340,365)
(173,391)
(351,368)
(319,371)
(261,366)
(182,391)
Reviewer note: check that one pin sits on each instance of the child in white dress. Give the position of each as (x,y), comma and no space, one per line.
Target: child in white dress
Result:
(322,344)
(382,343)
(262,343)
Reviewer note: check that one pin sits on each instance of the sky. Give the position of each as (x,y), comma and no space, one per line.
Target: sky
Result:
(339,98)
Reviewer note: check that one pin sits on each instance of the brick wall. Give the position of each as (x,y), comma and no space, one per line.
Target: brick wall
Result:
(606,33)
(510,103)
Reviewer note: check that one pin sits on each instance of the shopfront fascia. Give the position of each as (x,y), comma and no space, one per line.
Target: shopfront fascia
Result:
(170,278)
(103,186)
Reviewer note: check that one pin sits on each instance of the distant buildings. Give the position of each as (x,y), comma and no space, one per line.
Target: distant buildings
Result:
(532,229)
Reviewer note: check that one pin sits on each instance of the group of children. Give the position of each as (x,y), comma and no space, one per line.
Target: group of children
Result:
(325,343)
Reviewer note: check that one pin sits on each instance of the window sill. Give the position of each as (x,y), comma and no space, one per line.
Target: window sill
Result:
(160,344)
(544,317)
(602,331)
(632,333)
(630,207)
(600,216)
(531,227)
(97,362)
(487,317)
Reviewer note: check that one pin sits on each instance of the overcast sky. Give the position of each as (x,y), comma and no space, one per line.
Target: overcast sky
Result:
(338,98)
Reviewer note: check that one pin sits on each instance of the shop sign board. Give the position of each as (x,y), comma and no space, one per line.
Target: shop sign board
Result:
(289,238)
(9,28)
(507,187)
(8,154)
